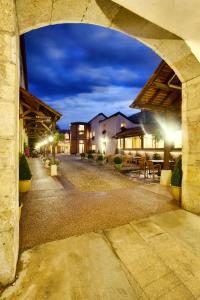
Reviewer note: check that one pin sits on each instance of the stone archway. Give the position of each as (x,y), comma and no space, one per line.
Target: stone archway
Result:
(26,15)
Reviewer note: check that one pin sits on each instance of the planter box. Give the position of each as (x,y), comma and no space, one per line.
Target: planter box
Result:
(176,192)
(165,178)
(54,170)
(24,186)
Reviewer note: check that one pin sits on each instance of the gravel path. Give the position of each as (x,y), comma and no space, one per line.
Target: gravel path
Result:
(93,198)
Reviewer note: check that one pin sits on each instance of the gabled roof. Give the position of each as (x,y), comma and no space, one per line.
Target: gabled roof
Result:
(115,115)
(100,114)
(161,92)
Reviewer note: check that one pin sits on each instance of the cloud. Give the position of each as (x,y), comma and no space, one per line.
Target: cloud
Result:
(82,68)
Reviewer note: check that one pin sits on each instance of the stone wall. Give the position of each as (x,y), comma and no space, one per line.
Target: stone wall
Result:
(9,91)
(32,14)
(191,145)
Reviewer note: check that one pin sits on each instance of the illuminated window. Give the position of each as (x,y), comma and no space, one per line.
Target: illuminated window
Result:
(81,129)
(120,144)
(94,147)
(93,133)
(81,147)
(136,142)
(128,143)
(123,124)
(149,141)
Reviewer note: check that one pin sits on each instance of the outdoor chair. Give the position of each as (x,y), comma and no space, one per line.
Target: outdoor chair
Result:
(142,167)
(152,168)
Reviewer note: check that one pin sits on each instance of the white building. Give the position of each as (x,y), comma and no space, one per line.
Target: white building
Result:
(103,129)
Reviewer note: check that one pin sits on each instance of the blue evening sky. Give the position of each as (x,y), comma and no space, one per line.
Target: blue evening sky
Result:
(81,70)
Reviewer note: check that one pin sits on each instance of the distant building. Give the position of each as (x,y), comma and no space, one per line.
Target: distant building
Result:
(79,138)
(63,145)
(98,134)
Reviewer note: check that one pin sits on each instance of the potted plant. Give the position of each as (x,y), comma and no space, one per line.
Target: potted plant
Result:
(90,156)
(118,163)
(100,159)
(176,180)
(82,155)
(24,175)
(54,166)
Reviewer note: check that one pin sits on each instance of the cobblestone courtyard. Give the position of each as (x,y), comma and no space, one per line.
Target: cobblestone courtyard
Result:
(84,198)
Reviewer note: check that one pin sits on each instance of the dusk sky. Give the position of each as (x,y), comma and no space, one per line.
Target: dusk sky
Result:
(81,70)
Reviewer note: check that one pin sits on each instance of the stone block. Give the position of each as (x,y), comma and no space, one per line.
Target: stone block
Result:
(7,48)
(7,15)
(8,189)
(33,14)
(100,12)
(8,120)
(68,11)
(7,156)
(190,196)
(7,77)
(8,254)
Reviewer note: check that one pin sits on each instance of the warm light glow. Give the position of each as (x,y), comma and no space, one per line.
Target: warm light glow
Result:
(50,138)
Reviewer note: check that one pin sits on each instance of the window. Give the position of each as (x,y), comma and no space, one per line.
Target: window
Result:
(120,144)
(149,141)
(123,124)
(94,147)
(81,129)
(81,147)
(93,134)
(128,143)
(136,142)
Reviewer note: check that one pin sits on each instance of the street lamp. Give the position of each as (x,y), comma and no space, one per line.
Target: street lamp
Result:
(50,138)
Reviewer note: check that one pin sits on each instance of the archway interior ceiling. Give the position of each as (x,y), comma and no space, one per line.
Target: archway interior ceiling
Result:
(170,15)
(106,13)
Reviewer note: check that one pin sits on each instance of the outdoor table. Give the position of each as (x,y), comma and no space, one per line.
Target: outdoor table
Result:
(136,158)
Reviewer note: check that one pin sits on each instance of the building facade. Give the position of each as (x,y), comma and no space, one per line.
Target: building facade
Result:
(79,137)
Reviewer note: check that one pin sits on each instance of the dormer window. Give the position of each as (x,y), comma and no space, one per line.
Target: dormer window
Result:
(123,124)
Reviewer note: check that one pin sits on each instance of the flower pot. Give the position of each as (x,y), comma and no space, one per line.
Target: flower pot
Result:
(118,167)
(165,178)
(24,186)
(54,170)
(176,192)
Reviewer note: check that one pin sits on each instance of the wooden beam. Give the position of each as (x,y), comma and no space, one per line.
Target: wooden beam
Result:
(46,127)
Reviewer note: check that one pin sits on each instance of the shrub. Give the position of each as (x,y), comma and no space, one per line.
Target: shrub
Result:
(100,158)
(82,155)
(90,156)
(156,156)
(177,174)
(24,170)
(117,160)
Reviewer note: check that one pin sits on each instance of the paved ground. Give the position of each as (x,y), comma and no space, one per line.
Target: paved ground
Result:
(87,198)
(152,258)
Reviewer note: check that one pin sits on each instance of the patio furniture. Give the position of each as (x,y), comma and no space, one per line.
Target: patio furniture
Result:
(153,168)
(142,167)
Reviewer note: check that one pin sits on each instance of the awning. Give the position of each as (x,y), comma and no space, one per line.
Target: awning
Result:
(38,116)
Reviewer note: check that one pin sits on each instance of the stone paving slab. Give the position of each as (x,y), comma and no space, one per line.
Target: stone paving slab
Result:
(149,258)
(81,267)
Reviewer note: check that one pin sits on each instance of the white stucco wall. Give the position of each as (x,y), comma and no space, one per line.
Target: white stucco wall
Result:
(95,127)
(112,126)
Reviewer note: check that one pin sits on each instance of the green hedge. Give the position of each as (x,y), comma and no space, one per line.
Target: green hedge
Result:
(24,170)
